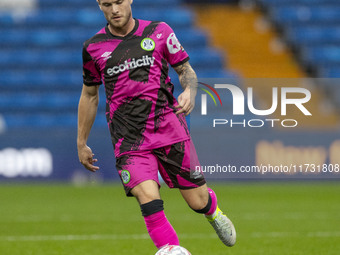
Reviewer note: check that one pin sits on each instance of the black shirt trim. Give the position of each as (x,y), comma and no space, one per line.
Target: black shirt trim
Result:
(181,62)
(92,84)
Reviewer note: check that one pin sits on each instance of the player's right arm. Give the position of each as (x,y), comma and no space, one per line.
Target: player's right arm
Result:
(87,110)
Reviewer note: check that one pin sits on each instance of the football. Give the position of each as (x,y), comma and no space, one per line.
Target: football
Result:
(173,250)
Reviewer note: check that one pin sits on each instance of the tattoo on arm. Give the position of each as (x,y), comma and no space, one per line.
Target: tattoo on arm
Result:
(187,76)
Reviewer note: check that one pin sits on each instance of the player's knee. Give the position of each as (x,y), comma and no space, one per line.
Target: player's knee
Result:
(146,191)
(144,198)
(152,207)
(202,205)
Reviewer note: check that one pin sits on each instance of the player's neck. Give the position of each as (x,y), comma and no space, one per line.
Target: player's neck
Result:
(124,30)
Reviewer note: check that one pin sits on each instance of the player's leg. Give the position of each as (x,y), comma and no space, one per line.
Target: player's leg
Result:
(203,200)
(139,175)
(175,162)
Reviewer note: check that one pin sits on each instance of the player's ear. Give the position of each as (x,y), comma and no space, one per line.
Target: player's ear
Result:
(100,7)
(131,1)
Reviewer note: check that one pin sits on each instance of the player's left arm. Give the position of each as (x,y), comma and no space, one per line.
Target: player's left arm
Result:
(188,80)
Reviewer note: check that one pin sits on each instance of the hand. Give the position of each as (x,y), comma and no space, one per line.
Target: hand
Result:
(186,102)
(86,158)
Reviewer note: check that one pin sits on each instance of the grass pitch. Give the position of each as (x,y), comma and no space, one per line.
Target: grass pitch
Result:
(270,219)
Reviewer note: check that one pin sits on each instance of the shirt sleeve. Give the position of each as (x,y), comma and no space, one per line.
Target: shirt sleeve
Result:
(174,51)
(91,76)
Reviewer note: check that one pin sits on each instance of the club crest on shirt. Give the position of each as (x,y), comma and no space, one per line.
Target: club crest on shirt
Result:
(125,175)
(148,44)
(173,44)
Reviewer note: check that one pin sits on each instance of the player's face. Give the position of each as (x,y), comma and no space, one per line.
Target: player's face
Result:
(117,12)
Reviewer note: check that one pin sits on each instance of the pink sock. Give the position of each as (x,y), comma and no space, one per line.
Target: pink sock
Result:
(160,229)
(213,202)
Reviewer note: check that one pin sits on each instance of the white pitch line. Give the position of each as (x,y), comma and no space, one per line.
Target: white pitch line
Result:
(295,234)
(94,237)
(243,216)
(71,237)
(146,236)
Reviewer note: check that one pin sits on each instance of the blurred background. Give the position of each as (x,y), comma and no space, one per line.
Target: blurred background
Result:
(41,71)
(49,204)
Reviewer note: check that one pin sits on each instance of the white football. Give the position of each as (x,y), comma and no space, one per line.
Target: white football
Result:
(172,250)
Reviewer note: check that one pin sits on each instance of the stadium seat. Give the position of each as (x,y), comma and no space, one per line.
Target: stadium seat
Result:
(92,17)
(40,79)
(6,19)
(210,59)
(323,55)
(313,35)
(45,102)
(192,38)
(293,2)
(47,4)
(47,120)
(295,14)
(330,72)
(41,58)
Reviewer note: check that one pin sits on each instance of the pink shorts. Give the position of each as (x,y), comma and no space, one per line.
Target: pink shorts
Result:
(174,162)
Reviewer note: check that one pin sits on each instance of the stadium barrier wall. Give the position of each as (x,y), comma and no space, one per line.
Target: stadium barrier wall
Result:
(51,155)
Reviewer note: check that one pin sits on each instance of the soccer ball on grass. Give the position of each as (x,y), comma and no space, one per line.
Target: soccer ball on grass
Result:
(172,250)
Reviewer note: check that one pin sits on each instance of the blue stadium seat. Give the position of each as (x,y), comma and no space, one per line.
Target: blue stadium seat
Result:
(293,2)
(76,3)
(20,120)
(330,72)
(40,120)
(209,59)
(40,58)
(73,38)
(36,102)
(45,38)
(65,4)
(322,55)
(313,35)
(230,76)
(176,17)
(292,15)
(6,19)
(11,38)
(192,38)
(40,79)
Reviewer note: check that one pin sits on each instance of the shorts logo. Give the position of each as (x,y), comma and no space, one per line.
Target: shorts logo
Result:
(125,175)
(173,44)
(148,44)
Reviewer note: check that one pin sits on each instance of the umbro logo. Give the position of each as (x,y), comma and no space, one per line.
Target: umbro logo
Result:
(196,175)
(159,36)
(106,55)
